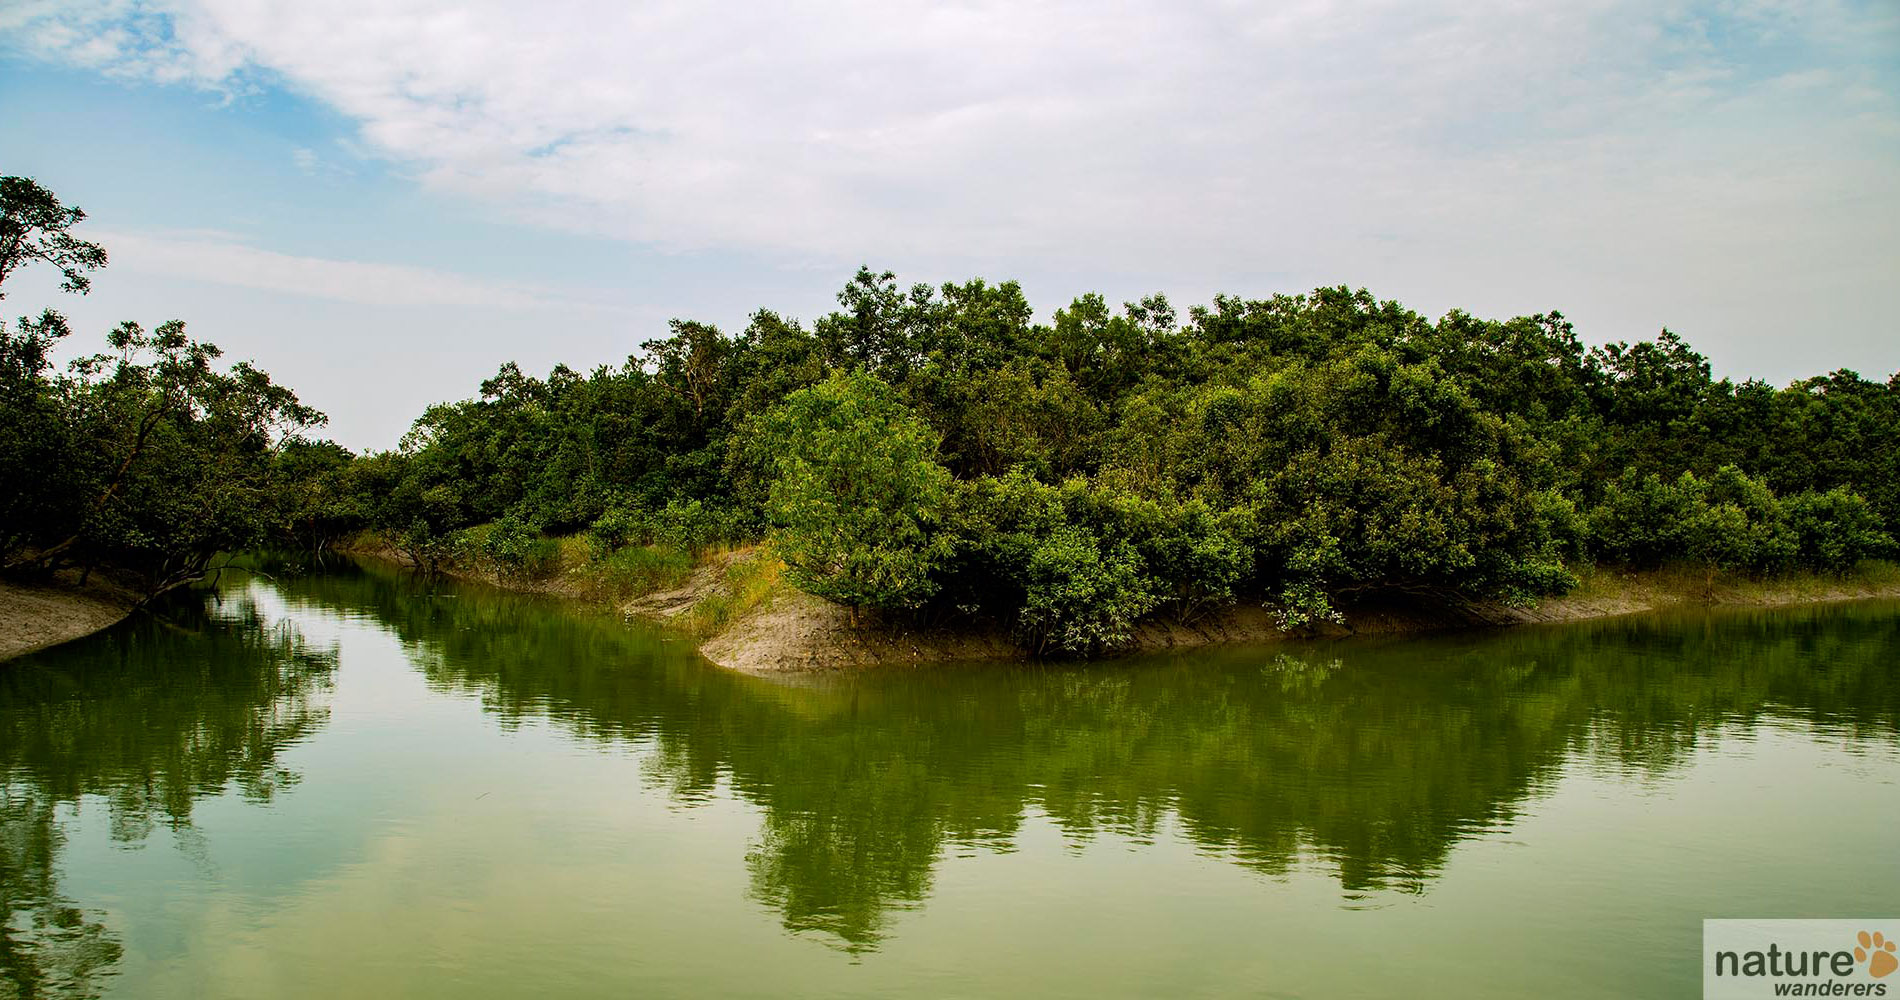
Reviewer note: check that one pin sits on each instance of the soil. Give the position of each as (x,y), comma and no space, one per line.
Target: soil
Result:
(793,632)
(35,617)
(797,632)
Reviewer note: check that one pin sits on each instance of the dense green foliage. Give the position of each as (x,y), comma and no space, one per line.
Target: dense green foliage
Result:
(147,458)
(938,452)
(854,482)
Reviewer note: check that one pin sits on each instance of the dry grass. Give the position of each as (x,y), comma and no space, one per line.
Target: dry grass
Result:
(748,582)
(1598,583)
(1790,588)
(1687,584)
(573,552)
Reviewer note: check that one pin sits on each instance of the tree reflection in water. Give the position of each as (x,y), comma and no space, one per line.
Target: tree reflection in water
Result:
(1369,759)
(146,719)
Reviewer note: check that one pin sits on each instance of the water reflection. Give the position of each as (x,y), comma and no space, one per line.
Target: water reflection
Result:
(50,945)
(1372,760)
(146,720)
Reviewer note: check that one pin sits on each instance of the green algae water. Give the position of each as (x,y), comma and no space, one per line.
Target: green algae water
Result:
(355,784)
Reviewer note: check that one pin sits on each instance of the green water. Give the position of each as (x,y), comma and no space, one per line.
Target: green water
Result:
(351,785)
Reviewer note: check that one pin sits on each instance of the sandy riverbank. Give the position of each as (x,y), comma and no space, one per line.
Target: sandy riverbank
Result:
(33,618)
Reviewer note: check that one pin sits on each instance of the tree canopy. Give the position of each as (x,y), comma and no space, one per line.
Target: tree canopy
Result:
(34,226)
(147,458)
(938,451)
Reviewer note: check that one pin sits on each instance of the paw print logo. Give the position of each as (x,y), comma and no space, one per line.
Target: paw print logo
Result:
(1877,952)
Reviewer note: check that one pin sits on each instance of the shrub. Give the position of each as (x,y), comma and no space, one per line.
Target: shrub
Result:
(1192,556)
(1835,530)
(617,527)
(687,525)
(1760,541)
(695,526)
(1082,597)
(1643,520)
(518,550)
(1301,605)
(858,496)
(1526,580)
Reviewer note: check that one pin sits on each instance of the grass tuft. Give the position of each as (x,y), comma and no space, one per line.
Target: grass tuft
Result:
(749,582)
(634,571)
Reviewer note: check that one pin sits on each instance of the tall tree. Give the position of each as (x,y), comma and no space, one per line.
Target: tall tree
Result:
(34,226)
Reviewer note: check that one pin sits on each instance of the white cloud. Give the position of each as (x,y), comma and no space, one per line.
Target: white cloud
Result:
(1677,151)
(220,259)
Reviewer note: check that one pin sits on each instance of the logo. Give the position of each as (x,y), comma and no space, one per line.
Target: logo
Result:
(1800,958)
(1877,952)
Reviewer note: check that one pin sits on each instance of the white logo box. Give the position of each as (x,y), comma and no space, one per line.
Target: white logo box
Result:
(1747,959)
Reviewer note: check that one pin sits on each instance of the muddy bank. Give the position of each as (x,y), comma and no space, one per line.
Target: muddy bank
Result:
(791,631)
(797,632)
(33,618)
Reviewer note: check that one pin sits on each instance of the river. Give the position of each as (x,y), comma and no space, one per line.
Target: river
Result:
(352,783)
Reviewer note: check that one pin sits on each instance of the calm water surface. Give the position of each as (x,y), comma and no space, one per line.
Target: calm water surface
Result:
(350,784)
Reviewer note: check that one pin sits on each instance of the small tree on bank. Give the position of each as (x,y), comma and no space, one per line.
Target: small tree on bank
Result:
(856,494)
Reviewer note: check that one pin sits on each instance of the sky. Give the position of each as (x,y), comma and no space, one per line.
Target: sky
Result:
(382,201)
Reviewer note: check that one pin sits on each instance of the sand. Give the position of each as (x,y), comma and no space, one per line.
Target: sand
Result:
(33,618)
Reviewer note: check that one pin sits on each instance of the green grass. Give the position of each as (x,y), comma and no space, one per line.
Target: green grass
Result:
(634,571)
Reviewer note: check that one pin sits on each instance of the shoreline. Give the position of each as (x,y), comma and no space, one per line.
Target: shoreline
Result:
(806,634)
(789,631)
(33,618)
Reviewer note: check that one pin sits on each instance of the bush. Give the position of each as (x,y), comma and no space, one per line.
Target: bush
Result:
(1643,521)
(858,496)
(616,528)
(1082,597)
(517,549)
(1192,556)
(1760,539)
(1731,521)
(1301,605)
(687,525)
(1835,530)
(696,526)
(1525,581)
